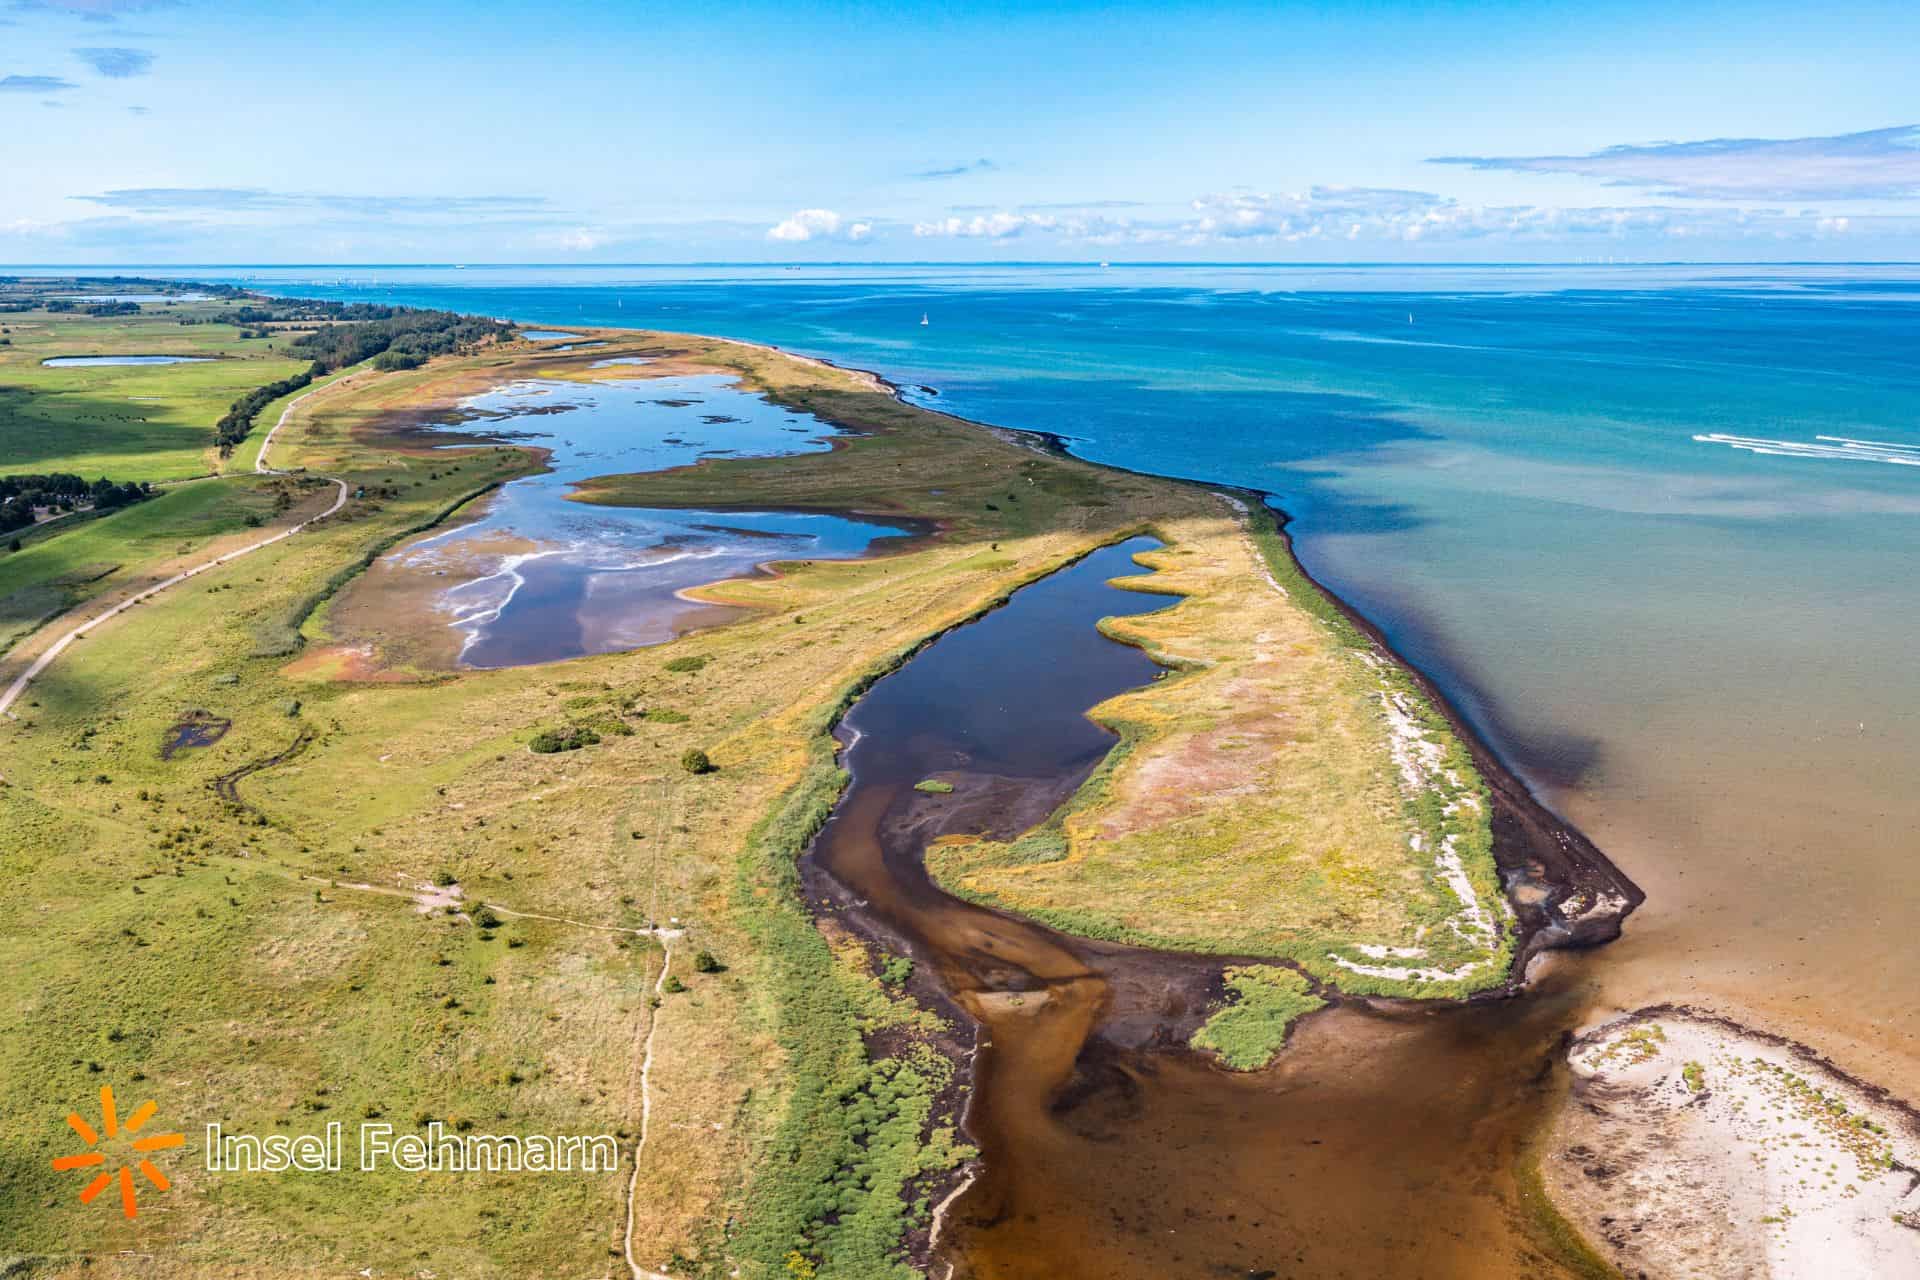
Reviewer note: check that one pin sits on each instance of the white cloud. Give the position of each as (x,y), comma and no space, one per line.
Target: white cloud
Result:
(1877,164)
(986,226)
(1350,215)
(819,224)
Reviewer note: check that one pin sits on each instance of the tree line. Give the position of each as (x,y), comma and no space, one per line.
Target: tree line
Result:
(392,337)
(61,491)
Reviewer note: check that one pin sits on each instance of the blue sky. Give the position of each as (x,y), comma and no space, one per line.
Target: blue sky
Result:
(188,131)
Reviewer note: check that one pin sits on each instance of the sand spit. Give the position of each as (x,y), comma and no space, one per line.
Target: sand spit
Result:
(1693,1146)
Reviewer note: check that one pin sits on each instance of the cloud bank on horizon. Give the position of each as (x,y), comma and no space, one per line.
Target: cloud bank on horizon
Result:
(1202,136)
(1875,164)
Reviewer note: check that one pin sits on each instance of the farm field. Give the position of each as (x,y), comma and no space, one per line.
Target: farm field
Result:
(127,422)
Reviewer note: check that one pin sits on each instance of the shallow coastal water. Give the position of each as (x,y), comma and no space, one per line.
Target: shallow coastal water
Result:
(538,577)
(89,362)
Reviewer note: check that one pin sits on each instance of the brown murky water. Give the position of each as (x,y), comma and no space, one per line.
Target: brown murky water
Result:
(1382,1143)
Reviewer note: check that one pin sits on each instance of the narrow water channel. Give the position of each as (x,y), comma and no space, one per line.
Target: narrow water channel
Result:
(1382,1143)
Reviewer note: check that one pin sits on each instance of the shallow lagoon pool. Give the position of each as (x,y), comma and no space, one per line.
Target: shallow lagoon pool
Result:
(542,578)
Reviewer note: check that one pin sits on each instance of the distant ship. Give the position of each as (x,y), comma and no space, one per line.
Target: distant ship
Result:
(923,317)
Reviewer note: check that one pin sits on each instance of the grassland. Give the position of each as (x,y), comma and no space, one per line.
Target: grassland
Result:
(133,422)
(285,926)
(1286,793)
(142,423)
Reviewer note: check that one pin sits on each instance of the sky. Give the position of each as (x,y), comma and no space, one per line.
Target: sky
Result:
(195,131)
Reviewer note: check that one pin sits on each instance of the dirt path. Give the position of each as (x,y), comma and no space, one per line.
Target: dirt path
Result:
(662,824)
(428,897)
(60,646)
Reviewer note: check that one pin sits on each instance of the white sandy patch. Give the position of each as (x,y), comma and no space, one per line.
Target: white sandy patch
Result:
(1422,766)
(1691,1147)
(1417,756)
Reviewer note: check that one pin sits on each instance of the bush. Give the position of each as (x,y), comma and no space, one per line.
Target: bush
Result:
(673,986)
(704,962)
(694,760)
(571,738)
(691,662)
(896,970)
(666,715)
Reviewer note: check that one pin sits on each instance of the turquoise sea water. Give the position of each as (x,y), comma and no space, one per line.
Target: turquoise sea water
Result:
(1655,529)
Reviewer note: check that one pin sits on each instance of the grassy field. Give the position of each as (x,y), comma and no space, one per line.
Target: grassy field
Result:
(285,926)
(140,422)
(128,548)
(1284,794)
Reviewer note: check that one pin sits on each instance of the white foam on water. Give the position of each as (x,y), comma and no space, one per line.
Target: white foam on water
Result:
(1840,448)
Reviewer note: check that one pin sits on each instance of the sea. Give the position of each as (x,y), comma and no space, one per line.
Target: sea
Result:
(1655,530)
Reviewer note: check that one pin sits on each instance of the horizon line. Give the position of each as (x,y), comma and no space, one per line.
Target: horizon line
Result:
(1038,262)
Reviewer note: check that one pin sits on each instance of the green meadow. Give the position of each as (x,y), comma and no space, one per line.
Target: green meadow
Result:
(128,422)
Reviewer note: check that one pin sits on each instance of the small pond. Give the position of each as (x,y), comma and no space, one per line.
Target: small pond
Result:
(89,362)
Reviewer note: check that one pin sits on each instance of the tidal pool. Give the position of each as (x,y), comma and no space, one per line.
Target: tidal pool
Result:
(548,335)
(538,577)
(87,362)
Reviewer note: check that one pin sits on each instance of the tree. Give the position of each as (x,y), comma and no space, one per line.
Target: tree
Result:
(694,760)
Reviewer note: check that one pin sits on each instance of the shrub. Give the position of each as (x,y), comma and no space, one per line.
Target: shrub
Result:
(896,970)
(704,962)
(1248,1032)
(666,715)
(689,662)
(694,760)
(673,986)
(570,738)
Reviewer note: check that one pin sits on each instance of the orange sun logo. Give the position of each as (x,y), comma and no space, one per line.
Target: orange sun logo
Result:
(110,1124)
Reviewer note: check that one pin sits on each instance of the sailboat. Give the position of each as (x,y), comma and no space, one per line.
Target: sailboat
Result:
(923,317)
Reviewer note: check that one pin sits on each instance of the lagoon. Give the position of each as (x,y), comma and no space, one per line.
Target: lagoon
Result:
(538,577)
